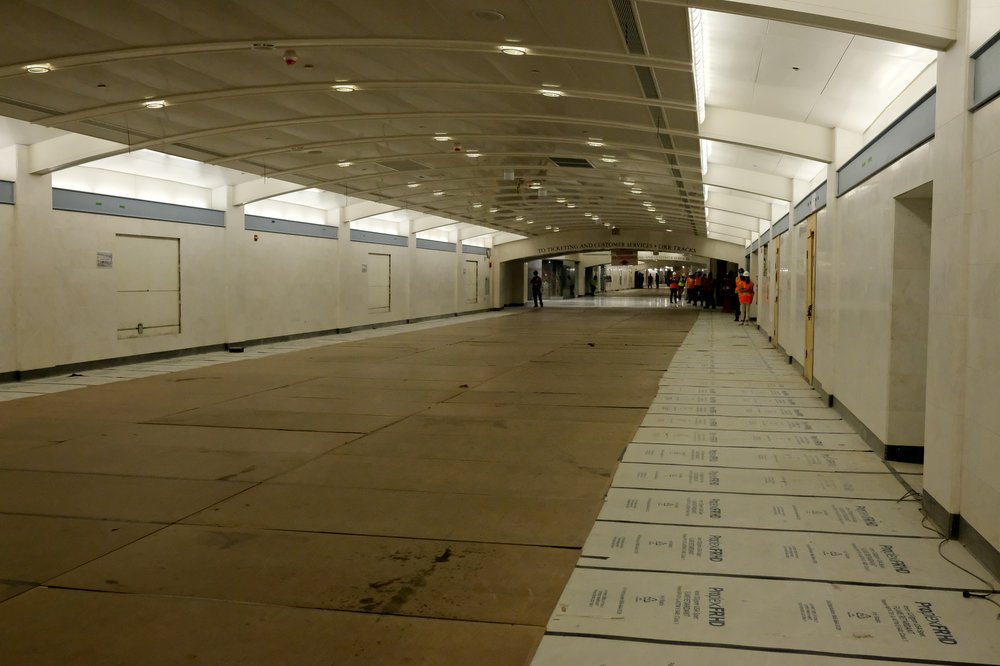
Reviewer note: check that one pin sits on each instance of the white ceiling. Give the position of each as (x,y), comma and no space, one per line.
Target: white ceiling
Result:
(433,66)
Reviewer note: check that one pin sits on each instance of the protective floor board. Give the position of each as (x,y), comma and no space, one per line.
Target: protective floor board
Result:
(777,440)
(733,382)
(848,558)
(759,392)
(585,651)
(758,481)
(765,512)
(740,377)
(761,424)
(751,458)
(746,411)
(925,626)
(681,399)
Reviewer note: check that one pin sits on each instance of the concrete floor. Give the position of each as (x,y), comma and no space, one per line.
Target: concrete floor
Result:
(415,495)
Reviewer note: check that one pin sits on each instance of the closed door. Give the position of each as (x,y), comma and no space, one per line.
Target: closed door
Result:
(810,295)
(379,275)
(148,279)
(777,288)
(470,281)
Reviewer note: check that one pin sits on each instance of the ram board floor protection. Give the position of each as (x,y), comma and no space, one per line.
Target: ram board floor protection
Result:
(763,533)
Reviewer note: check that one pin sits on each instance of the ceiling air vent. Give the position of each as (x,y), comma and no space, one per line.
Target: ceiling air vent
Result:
(402,165)
(572,162)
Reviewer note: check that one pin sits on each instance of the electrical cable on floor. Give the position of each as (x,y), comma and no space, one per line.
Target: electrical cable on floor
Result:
(968,594)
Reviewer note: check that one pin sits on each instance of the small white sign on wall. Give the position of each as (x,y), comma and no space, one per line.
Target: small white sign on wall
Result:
(104,260)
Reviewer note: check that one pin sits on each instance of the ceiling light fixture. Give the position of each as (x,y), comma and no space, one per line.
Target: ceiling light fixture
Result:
(519,218)
(549,92)
(477,204)
(595,143)
(344,87)
(636,190)
(344,164)
(628,183)
(442,137)
(569,205)
(511,50)
(535,185)
(609,159)
(438,193)
(560,199)
(530,222)
(548,226)
(413,184)
(587,214)
(154,104)
(494,209)
(473,154)
(38,68)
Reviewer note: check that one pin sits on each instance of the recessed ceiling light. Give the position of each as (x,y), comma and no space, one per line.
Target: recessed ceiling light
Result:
(413,184)
(438,193)
(662,221)
(560,199)
(519,218)
(647,203)
(442,137)
(38,68)
(670,231)
(345,163)
(477,204)
(636,190)
(569,205)
(154,104)
(556,230)
(597,218)
(535,185)
(595,143)
(473,154)
(549,92)
(344,87)
(628,183)
(651,209)
(510,49)
(530,222)
(607,224)
(494,209)
(587,214)
(548,226)
(608,159)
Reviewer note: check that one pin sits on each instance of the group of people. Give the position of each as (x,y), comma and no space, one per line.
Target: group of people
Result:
(733,293)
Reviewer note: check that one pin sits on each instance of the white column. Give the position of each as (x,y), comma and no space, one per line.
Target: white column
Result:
(949,280)
(236,236)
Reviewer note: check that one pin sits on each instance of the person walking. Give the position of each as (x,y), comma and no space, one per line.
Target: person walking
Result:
(736,293)
(708,292)
(536,289)
(746,294)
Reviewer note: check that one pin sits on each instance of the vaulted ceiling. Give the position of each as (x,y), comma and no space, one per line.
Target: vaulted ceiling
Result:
(527,116)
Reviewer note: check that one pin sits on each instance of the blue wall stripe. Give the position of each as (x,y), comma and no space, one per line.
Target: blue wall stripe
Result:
(911,130)
(779,227)
(275,225)
(103,204)
(986,73)
(426,244)
(359,236)
(814,201)
(474,249)
(6,192)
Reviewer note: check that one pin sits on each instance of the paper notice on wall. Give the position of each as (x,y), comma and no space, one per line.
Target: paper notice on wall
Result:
(758,481)
(697,437)
(745,411)
(768,512)
(847,558)
(762,424)
(876,622)
(754,458)
(683,399)
(583,651)
(105,260)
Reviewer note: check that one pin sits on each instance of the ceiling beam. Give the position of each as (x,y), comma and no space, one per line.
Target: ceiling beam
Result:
(788,137)
(736,220)
(69,150)
(931,24)
(742,205)
(262,188)
(428,223)
(744,180)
